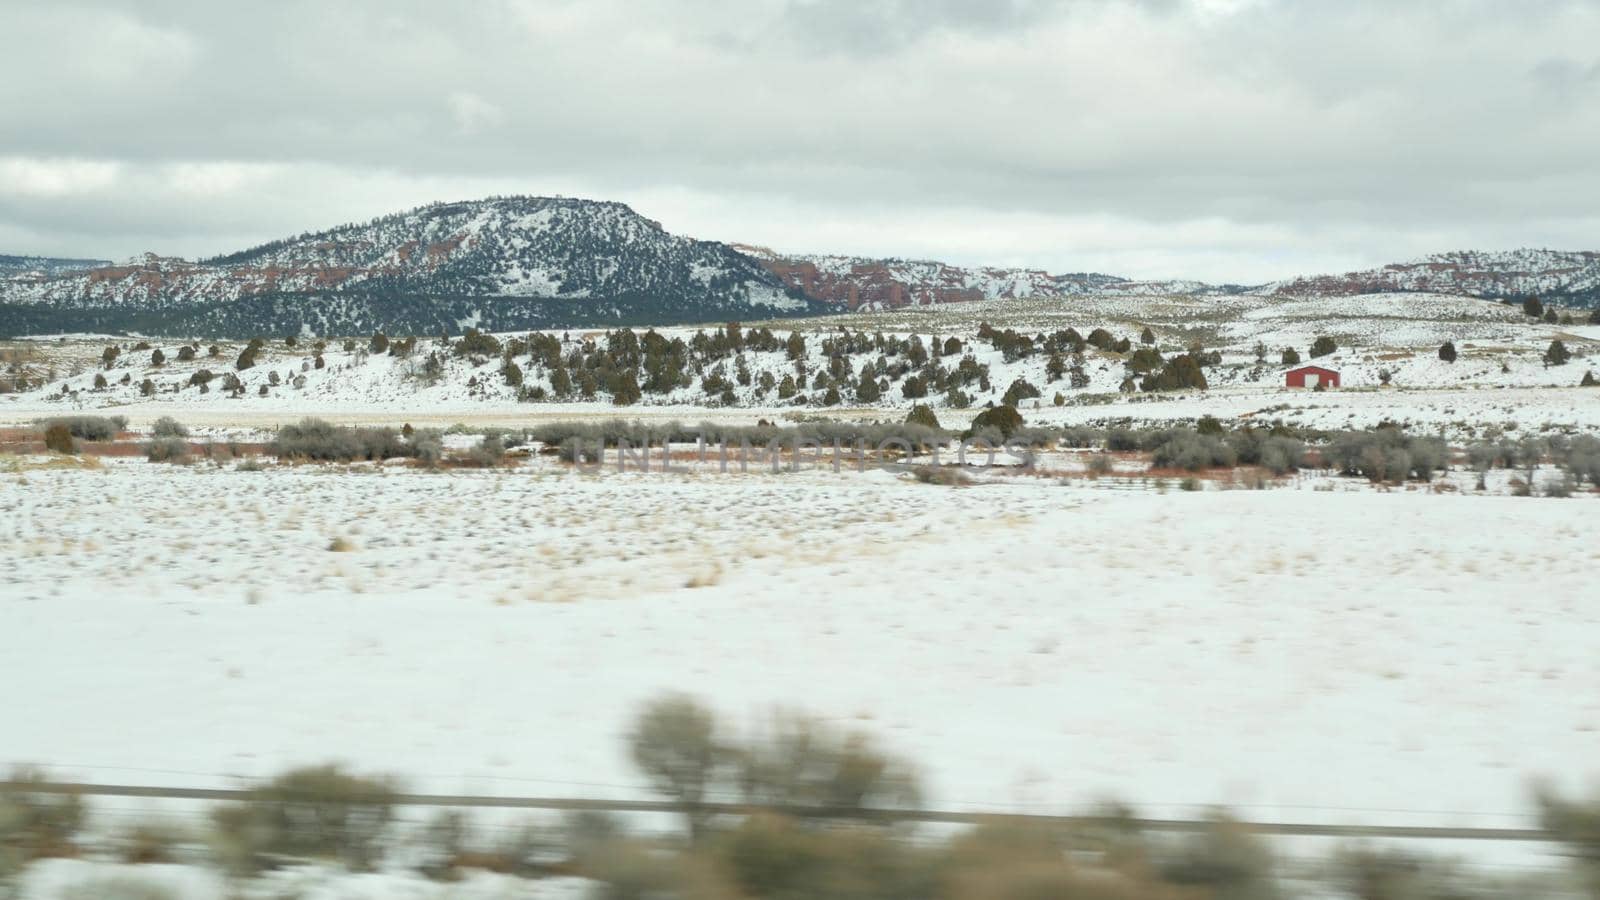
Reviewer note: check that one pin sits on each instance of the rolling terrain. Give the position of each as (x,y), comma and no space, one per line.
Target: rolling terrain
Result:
(508,263)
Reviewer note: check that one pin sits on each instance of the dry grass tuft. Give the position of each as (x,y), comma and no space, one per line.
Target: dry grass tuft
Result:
(705,577)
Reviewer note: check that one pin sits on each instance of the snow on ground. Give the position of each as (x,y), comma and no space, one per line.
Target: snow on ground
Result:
(1499,350)
(70,879)
(1355,656)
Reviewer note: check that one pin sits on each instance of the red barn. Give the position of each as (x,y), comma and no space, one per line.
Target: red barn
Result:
(1310,377)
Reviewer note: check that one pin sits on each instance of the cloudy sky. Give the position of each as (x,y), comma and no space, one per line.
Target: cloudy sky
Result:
(1219,139)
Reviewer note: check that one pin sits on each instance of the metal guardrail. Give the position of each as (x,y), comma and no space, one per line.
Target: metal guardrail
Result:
(951,817)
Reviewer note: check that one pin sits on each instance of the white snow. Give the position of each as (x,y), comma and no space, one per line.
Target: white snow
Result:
(1301,654)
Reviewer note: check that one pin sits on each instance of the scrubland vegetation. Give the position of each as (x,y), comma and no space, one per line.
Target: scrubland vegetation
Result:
(1388,454)
(797,809)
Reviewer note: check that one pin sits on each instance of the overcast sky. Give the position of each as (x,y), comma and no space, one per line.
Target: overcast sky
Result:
(1219,139)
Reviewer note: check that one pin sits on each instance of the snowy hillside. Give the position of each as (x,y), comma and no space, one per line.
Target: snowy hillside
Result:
(1386,349)
(506,262)
(1569,276)
(859,283)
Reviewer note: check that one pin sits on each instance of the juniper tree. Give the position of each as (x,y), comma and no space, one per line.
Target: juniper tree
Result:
(1557,354)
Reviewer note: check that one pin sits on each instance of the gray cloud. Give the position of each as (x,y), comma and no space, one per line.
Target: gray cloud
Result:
(1282,136)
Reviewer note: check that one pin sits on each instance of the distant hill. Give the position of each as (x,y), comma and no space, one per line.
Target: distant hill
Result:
(859,283)
(501,263)
(1570,278)
(510,263)
(44,265)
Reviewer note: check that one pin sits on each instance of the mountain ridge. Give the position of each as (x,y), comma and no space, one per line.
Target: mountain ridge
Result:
(546,262)
(1571,275)
(508,262)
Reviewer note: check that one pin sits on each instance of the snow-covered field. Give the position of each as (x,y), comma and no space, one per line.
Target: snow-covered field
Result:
(1323,651)
(1401,656)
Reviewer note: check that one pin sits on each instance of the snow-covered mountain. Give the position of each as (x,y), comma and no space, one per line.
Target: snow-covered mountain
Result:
(859,283)
(1566,276)
(507,262)
(12,266)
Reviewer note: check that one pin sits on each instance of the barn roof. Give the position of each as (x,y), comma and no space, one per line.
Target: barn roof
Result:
(1312,369)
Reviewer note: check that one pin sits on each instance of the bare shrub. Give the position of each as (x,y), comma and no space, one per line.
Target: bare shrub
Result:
(152,841)
(317,812)
(1122,439)
(1386,454)
(1379,873)
(1079,437)
(946,476)
(314,439)
(631,870)
(168,450)
(1020,862)
(427,446)
(1100,464)
(1278,453)
(802,762)
(576,450)
(91,428)
(675,744)
(168,427)
(488,453)
(1576,824)
(1583,459)
(1184,449)
(36,823)
(774,856)
(1559,487)
(1226,859)
(58,439)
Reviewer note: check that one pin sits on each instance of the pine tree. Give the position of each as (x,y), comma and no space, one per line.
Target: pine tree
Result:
(1447,351)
